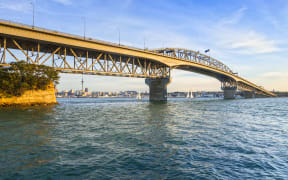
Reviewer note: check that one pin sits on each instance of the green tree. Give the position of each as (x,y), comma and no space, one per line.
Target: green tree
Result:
(20,76)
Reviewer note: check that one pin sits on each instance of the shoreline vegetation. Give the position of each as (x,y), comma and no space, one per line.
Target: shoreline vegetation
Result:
(27,84)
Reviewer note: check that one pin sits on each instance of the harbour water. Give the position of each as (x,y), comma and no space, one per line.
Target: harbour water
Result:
(130,139)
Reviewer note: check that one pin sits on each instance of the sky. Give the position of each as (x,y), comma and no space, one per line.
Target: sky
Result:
(250,36)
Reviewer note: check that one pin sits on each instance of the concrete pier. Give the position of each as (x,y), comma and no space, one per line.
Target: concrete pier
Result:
(260,96)
(157,88)
(229,92)
(249,94)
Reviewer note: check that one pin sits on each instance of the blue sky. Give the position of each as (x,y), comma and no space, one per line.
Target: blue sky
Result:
(250,36)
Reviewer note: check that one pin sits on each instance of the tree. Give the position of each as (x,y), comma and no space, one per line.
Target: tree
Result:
(20,77)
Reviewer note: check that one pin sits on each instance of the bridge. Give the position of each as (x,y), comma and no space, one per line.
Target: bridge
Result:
(75,54)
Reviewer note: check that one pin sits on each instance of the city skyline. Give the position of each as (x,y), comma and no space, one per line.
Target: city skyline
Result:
(246,35)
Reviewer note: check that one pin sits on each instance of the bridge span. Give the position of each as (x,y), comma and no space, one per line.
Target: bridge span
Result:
(75,54)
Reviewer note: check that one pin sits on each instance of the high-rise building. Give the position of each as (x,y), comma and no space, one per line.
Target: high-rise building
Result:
(71,92)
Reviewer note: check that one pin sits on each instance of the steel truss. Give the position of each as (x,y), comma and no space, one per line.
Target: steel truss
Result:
(232,84)
(228,84)
(197,57)
(68,59)
(194,56)
(244,87)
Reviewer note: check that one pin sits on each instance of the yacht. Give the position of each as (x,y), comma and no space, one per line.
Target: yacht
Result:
(139,97)
(190,95)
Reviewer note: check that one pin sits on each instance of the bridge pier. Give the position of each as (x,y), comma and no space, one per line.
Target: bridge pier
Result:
(157,88)
(260,96)
(249,94)
(229,92)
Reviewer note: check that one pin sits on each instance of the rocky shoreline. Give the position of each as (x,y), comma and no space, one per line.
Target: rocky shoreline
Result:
(31,98)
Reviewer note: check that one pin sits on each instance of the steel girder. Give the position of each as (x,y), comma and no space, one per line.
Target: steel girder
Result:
(193,56)
(74,60)
(232,84)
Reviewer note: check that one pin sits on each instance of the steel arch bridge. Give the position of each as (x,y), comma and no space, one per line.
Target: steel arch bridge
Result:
(75,54)
(214,68)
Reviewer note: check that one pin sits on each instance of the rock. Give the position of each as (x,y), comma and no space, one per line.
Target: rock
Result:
(31,97)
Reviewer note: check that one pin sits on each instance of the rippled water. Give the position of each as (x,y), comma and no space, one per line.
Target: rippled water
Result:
(129,139)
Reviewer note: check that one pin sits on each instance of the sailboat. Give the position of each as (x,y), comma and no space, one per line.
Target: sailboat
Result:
(139,97)
(189,95)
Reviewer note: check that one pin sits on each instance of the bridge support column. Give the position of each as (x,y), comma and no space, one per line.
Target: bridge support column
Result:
(249,94)
(229,92)
(157,88)
(259,96)
(229,87)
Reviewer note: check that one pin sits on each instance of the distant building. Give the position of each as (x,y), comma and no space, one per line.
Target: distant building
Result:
(95,94)
(65,93)
(86,90)
(71,92)
(281,94)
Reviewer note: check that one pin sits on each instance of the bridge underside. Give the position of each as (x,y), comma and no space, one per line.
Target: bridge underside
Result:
(68,59)
(228,85)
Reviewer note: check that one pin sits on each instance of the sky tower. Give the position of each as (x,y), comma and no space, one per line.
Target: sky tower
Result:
(82,82)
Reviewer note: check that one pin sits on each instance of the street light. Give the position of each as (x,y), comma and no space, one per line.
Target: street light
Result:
(119,35)
(33,6)
(84,26)
(144,42)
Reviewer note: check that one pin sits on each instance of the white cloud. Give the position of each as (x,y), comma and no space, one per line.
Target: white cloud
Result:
(234,18)
(279,75)
(222,35)
(231,36)
(272,80)
(244,41)
(250,42)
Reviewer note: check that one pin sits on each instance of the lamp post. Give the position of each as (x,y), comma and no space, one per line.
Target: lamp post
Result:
(82,82)
(84,26)
(33,6)
(119,35)
(144,42)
